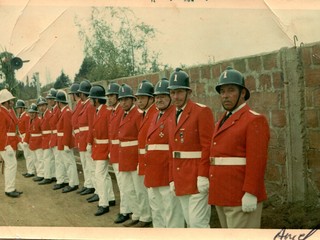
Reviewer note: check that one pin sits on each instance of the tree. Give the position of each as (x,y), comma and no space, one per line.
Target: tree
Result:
(8,70)
(88,64)
(116,42)
(62,81)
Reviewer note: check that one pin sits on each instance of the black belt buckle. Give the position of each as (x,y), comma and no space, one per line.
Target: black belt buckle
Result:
(177,155)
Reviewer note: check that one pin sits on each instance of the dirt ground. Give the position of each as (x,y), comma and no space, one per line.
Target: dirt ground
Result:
(41,206)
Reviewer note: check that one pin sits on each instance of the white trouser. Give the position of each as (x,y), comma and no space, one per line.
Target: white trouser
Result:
(143,200)
(49,163)
(86,170)
(129,180)
(196,210)
(124,207)
(10,171)
(166,208)
(38,161)
(70,166)
(103,185)
(110,186)
(31,169)
(61,172)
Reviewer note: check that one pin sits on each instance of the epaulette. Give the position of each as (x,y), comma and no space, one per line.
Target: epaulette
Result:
(201,105)
(255,113)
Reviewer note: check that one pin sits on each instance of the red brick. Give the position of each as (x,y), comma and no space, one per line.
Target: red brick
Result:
(240,65)
(282,99)
(200,89)
(277,80)
(264,82)
(206,72)
(194,74)
(266,100)
(314,138)
(313,159)
(278,118)
(250,83)
(274,140)
(216,71)
(309,97)
(270,61)
(316,97)
(277,155)
(312,77)
(311,118)
(254,64)
(306,58)
(273,172)
(316,54)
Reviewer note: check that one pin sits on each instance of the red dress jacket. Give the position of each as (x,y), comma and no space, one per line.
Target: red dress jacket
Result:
(157,151)
(46,129)
(128,136)
(143,130)
(190,145)
(64,129)
(53,125)
(114,122)
(75,125)
(244,135)
(23,124)
(34,135)
(85,120)
(7,129)
(99,133)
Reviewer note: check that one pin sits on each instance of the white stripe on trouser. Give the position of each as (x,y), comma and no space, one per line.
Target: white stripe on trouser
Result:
(143,200)
(38,162)
(129,181)
(61,171)
(165,207)
(124,207)
(234,217)
(31,169)
(104,186)
(196,210)
(10,171)
(48,162)
(70,166)
(87,180)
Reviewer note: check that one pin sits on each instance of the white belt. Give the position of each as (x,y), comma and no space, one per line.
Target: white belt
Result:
(129,143)
(60,134)
(46,132)
(190,154)
(142,151)
(11,134)
(115,141)
(101,141)
(36,135)
(82,129)
(157,147)
(227,161)
(54,131)
(76,130)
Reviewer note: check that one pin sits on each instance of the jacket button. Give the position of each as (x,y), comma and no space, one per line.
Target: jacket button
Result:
(176,140)
(214,143)
(178,168)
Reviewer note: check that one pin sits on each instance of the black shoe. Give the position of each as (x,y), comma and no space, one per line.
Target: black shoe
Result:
(101,210)
(38,179)
(45,181)
(13,194)
(93,198)
(87,191)
(142,224)
(27,175)
(59,186)
(121,218)
(81,190)
(69,189)
(53,179)
(131,223)
(112,203)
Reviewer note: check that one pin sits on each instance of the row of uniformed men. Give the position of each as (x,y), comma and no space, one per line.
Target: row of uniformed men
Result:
(170,161)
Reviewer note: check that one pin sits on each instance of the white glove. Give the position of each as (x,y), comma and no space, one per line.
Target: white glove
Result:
(9,150)
(172,188)
(249,202)
(89,148)
(25,144)
(20,146)
(203,184)
(66,149)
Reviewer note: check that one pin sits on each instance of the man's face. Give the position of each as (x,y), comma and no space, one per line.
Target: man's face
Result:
(112,100)
(83,96)
(51,102)
(42,108)
(126,103)
(143,102)
(32,115)
(229,95)
(179,97)
(162,101)
(19,110)
(11,104)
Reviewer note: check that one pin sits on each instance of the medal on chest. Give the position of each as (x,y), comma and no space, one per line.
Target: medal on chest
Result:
(181,133)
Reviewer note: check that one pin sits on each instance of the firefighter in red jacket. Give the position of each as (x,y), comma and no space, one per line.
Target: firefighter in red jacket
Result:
(66,142)
(191,130)
(238,156)
(8,144)
(128,150)
(34,141)
(166,208)
(145,102)
(100,146)
(23,126)
(114,121)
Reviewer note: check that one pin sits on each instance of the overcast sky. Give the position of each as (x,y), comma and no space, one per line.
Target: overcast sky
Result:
(188,33)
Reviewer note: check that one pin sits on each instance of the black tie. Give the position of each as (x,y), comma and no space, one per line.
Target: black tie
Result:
(179,111)
(225,118)
(143,114)
(125,114)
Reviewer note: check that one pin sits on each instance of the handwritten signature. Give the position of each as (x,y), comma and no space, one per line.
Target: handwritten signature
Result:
(283,235)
